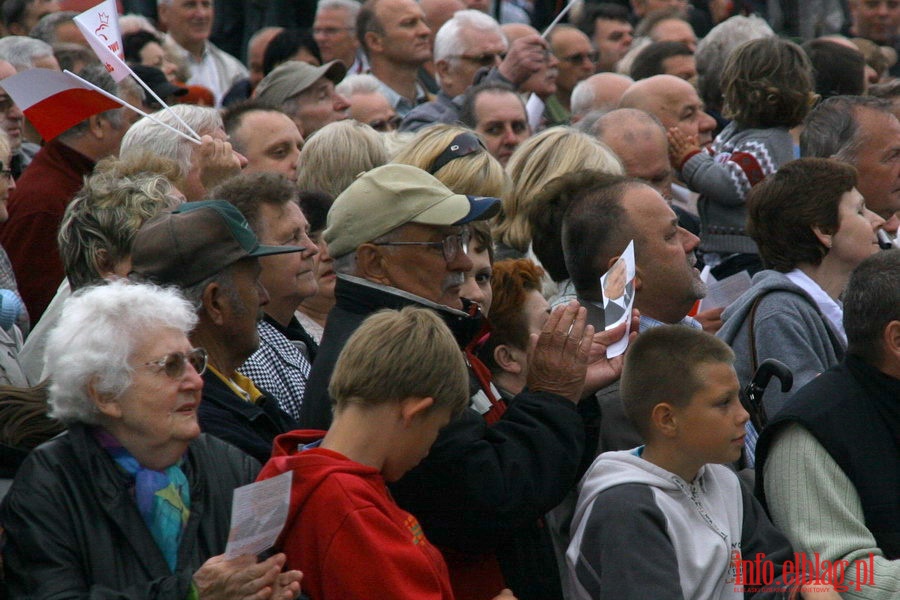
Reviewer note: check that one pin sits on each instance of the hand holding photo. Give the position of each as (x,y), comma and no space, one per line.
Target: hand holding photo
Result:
(617,285)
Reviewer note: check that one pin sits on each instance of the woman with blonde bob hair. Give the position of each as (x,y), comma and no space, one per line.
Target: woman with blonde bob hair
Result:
(457,157)
(336,155)
(537,161)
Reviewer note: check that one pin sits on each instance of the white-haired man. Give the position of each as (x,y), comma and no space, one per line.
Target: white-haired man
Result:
(468,42)
(201,166)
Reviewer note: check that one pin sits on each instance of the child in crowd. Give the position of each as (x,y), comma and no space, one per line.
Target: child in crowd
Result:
(668,520)
(768,89)
(397,382)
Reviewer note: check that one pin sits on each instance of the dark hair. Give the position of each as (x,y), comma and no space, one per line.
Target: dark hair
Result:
(366,21)
(767,83)
(286,44)
(233,116)
(871,301)
(649,61)
(652,19)
(511,280)
(70,55)
(595,226)
(662,366)
(467,114)
(783,209)
(838,70)
(315,206)
(133,43)
(606,11)
(14,11)
(545,218)
(831,128)
(249,191)
(481,236)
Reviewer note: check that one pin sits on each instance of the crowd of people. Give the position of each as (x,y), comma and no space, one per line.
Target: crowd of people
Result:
(384,265)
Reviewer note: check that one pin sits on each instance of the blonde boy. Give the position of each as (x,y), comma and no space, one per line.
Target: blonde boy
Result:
(399,379)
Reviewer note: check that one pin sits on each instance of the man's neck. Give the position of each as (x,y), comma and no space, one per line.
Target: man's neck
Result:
(194,47)
(565,98)
(219,353)
(402,78)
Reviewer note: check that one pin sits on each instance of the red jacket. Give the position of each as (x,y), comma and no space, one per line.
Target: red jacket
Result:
(346,533)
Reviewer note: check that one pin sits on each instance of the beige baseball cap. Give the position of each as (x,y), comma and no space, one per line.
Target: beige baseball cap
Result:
(392,195)
(292,77)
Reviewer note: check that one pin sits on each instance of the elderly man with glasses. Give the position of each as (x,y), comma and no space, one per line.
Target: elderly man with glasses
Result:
(577,60)
(466,44)
(399,238)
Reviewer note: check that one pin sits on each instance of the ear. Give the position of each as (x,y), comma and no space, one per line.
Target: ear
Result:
(664,419)
(95,126)
(891,344)
(105,403)
(411,408)
(215,303)
(374,41)
(824,238)
(506,360)
(442,67)
(370,264)
(105,264)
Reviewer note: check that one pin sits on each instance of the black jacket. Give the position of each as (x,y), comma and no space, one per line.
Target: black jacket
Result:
(251,427)
(73,528)
(482,489)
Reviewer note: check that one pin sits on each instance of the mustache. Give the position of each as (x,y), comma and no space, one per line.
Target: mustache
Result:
(455,279)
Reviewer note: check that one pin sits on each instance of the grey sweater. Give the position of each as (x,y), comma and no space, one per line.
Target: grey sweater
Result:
(788,327)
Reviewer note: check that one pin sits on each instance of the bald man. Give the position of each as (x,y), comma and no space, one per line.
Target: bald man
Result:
(602,91)
(675,103)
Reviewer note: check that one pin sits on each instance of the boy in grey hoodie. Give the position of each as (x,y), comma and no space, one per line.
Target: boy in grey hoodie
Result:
(668,520)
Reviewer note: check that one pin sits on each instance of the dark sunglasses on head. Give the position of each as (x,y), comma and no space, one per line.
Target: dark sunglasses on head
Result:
(175,363)
(462,145)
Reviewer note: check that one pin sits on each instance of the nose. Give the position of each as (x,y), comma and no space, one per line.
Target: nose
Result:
(743,415)
(311,248)
(509,137)
(689,240)
(340,103)
(707,123)
(14,112)
(875,219)
(192,380)
(460,263)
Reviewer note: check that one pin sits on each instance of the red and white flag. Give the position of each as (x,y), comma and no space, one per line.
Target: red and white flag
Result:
(54,101)
(100,27)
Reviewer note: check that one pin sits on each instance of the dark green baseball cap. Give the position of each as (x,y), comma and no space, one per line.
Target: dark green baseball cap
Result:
(196,241)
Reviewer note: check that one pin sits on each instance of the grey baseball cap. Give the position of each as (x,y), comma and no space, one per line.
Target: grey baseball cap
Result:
(292,77)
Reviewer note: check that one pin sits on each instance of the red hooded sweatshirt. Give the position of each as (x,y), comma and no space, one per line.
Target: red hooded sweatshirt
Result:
(346,533)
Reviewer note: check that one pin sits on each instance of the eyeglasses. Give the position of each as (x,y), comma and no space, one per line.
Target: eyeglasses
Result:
(488,59)
(462,145)
(174,364)
(386,125)
(450,246)
(330,31)
(577,59)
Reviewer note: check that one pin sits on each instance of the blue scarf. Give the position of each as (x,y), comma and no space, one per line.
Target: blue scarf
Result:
(163,497)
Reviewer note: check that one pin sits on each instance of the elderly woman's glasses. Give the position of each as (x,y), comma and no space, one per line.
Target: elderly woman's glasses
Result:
(450,246)
(174,364)
(386,125)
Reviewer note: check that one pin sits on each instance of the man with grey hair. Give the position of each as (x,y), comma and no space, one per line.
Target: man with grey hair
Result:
(201,166)
(305,93)
(27,53)
(863,132)
(12,120)
(58,27)
(467,43)
(189,24)
(598,92)
(57,172)
(368,104)
(335,32)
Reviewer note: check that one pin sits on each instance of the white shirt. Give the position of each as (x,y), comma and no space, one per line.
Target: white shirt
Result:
(831,309)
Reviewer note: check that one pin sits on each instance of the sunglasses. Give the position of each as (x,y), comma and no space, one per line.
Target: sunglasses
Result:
(462,145)
(577,59)
(488,59)
(386,125)
(175,364)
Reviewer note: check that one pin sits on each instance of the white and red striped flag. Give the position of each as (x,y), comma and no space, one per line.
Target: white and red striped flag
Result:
(100,27)
(54,101)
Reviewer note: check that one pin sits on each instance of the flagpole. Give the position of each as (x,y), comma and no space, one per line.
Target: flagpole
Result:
(160,100)
(559,17)
(134,108)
